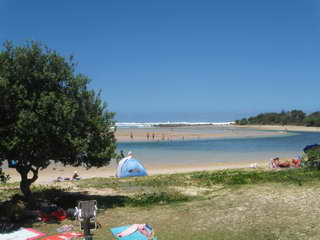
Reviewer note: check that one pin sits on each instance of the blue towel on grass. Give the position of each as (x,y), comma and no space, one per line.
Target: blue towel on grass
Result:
(134,236)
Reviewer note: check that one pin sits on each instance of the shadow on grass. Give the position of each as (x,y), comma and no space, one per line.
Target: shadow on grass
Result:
(67,200)
(16,209)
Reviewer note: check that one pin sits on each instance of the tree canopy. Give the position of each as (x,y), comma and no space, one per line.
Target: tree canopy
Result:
(47,113)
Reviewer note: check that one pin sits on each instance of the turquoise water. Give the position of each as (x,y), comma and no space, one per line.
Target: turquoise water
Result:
(221,150)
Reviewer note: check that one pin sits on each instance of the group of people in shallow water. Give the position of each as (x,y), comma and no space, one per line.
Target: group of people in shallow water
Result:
(149,136)
(276,163)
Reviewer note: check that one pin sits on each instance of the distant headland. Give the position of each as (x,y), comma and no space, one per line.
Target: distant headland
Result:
(289,118)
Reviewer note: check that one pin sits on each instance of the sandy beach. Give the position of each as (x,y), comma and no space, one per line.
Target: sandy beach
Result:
(50,174)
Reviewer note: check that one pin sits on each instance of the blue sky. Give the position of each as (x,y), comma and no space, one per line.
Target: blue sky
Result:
(184,56)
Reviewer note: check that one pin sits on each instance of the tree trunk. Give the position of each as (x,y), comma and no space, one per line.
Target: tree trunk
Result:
(25,186)
(26,182)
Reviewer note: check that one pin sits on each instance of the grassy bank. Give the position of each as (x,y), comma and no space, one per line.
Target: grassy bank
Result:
(229,204)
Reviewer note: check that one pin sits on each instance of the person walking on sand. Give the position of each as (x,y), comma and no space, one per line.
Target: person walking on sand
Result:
(153,136)
(148,135)
(131,135)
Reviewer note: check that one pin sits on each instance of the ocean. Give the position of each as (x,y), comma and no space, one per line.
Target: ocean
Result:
(128,117)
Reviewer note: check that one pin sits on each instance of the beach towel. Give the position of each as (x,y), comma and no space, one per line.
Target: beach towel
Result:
(134,235)
(64,236)
(22,234)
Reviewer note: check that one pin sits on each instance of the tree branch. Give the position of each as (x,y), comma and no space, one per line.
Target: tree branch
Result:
(35,174)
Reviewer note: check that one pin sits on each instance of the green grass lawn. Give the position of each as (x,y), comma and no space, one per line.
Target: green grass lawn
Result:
(228,204)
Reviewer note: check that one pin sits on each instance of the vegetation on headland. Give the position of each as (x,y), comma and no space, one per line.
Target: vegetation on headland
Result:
(47,113)
(224,204)
(294,117)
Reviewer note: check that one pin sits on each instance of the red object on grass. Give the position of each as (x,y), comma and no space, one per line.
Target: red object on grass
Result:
(64,236)
(58,215)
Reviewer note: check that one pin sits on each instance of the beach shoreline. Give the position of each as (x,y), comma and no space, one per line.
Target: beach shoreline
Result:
(50,174)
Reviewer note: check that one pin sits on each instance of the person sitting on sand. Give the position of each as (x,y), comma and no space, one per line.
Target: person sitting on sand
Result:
(285,164)
(75,176)
(274,163)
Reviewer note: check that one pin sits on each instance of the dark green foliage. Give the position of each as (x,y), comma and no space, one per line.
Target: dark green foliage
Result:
(313,119)
(313,157)
(243,121)
(47,113)
(294,117)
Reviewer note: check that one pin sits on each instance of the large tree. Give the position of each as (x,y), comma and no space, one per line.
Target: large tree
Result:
(47,113)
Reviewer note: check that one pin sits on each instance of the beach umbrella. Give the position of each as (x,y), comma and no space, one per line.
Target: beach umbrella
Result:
(309,147)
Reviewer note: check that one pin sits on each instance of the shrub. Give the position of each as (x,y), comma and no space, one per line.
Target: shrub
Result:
(313,157)
(3,177)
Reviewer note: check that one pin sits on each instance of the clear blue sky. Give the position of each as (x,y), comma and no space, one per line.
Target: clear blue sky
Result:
(243,56)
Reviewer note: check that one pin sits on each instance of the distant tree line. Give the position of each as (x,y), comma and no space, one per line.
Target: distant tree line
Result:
(294,117)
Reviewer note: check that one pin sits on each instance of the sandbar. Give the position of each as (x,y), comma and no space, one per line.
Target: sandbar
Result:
(188,133)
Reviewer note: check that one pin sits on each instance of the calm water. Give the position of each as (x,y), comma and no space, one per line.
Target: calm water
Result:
(221,150)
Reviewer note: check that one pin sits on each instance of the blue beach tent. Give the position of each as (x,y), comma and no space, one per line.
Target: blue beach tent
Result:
(130,167)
